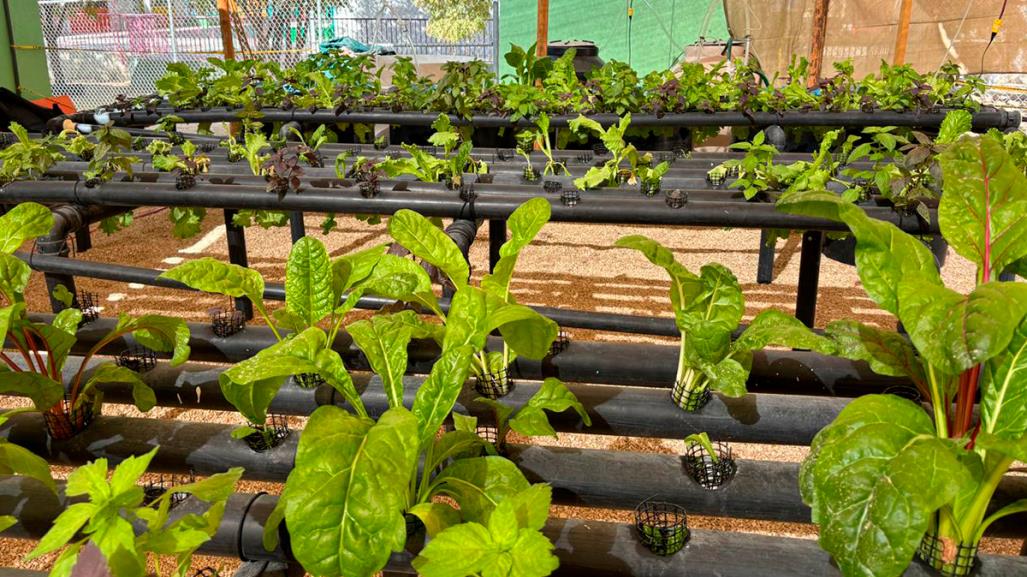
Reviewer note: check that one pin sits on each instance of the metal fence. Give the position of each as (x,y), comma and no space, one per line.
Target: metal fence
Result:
(97,49)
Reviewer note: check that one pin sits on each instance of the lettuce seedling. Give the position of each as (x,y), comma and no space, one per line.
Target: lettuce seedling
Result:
(98,536)
(44,348)
(934,470)
(529,419)
(708,308)
(317,290)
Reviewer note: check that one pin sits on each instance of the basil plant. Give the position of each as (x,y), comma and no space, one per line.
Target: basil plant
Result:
(887,471)
(708,309)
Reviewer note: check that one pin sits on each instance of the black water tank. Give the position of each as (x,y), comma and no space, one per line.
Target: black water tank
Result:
(586,54)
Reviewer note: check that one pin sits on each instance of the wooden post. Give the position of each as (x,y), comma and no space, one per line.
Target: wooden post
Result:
(225,20)
(542,31)
(816,48)
(902,38)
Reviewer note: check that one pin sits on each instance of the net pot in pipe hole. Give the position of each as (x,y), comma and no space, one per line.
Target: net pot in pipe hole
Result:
(709,464)
(662,527)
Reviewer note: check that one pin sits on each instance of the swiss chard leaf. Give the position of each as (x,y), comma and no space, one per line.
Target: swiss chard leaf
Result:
(308,281)
(437,395)
(418,235)
(25,221)
(345,497)
(478,484)
(1004,389)
(213,276)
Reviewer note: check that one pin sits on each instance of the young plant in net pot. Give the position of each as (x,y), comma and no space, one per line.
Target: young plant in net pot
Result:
(935,467)
(42,349)
(612,137)
(114,531)
(708,308)
(319,292)
(28,158)
(707,463)
(529,420)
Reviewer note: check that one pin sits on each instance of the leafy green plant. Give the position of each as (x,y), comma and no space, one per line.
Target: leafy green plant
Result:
(755,170)
(79,144)
(529,419)
(40,377)
(933,471)
(613,139)
(317,291)
(27,158)
(456,159)
(703,440)
(309,146)
(527,66)
(541,140)
(104,523)
(186,220)
(107,161)
(399,464)
(708,308)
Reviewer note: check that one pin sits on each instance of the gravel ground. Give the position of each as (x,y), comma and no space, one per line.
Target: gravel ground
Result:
(570,265)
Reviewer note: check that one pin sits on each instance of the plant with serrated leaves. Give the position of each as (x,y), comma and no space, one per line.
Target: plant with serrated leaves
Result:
(399,464)
(282,171)
(529,419)
(613,139)
(43,348)
(107,160)
(708,308)
(98,536)
(252,149)
(755,169)
(28,158)
(318,292)
(186,220)
(933,471)
(77,144)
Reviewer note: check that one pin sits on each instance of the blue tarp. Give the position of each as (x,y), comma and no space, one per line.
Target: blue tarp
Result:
(345,42)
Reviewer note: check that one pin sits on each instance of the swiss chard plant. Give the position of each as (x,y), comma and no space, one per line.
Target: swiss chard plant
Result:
(398,464)
(318,291)
(530,419)
(888,471)
(708,308)
(542,141)
(98,536)
(44,347)
(613,139)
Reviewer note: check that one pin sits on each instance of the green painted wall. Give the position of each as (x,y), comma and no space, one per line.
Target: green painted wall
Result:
(33,79)
(605,22)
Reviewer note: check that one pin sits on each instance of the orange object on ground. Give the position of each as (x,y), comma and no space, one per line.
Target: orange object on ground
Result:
(62,102)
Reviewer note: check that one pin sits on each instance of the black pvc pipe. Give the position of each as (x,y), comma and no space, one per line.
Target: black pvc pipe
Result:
(434,201)
(790,372)
(68,219)
(982,120)
(235,237)
(585,548)
(619,411)
(497,236)
(809,277)
(584,477)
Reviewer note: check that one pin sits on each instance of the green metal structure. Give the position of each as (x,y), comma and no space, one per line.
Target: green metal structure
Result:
(23,66)
(658,29)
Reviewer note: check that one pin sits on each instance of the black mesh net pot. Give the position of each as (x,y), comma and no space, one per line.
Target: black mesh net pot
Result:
(493,385)
(651,188)
(138,359)
(959,562)
(490,434)
(64,422)
(560,343)
(904,391)
(690,400)
(585,157)
(662,527)
(225,323)
(269,435)
(570,197)
(676,198)
(185,181)
(61,246)
(701,467)
(552,186)
(716,177)
(156,489)
(369,189)
(87,304)
(529,174)
(308,380)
